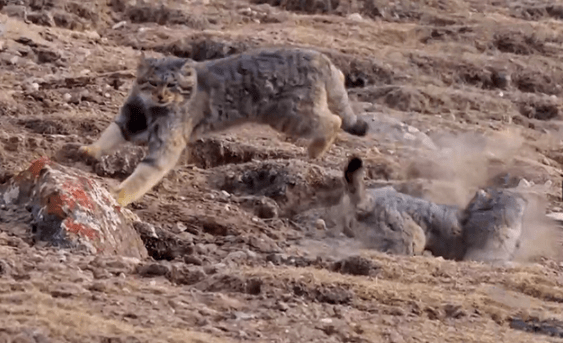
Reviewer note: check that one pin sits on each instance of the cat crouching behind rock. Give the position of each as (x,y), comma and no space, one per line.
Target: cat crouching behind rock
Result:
(174,101)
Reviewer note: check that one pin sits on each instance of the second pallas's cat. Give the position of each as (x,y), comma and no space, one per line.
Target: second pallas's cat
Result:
(173,101)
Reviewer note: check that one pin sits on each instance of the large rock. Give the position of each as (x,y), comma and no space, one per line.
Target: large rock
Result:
(390,129)
(70,209)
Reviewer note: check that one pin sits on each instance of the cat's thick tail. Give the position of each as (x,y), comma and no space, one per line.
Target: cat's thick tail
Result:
(353,177)
(339,104)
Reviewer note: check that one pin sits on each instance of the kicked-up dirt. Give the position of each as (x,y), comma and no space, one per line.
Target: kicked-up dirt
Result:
(459,95)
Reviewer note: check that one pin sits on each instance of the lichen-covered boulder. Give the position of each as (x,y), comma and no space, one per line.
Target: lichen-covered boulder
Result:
(70,209)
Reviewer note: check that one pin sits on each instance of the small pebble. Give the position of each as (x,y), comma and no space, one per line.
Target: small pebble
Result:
(524,183)
(282,306)
(180,227)
(189,259)
(119,25)
(320,224)
(355,17)
(245,11)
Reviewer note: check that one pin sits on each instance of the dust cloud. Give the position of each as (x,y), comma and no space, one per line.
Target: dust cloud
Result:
(464,163)
(467,162)
(541,235)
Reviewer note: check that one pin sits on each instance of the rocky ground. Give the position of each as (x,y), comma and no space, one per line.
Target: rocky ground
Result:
(459,95)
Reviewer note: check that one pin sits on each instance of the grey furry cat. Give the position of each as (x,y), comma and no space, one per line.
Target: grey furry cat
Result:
(173,101)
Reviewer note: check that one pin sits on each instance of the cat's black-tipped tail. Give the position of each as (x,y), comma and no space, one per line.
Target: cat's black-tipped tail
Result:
(354,165)
(359,128)
(353,176)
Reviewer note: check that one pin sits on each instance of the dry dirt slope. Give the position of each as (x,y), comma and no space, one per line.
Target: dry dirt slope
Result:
(482,78)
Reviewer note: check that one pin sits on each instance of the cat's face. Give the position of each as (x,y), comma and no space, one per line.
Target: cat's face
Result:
(164,81)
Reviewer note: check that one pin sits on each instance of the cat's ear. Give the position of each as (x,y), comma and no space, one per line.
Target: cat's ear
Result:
(142,63)
(187,68)
(188,75)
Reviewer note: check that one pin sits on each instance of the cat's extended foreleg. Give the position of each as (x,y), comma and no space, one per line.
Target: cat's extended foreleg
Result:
(110,139)
(130,123)
(164,153)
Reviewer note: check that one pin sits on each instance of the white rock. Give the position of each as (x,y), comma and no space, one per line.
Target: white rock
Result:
(355,17)
(180,227)
(119,25)
(524,183)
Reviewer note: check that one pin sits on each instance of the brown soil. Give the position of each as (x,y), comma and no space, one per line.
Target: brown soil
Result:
(231,261)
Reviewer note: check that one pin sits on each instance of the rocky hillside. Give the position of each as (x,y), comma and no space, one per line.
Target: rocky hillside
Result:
(458,94)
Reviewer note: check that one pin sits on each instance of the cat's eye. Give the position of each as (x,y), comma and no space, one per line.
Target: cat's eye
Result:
(153,83)
(172,84)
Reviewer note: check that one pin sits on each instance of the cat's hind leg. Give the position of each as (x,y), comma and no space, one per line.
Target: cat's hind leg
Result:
(326,128)
(329,125)
(306,116)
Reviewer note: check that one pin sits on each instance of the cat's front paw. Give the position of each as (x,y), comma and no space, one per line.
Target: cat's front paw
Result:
(122,197)
(90,151)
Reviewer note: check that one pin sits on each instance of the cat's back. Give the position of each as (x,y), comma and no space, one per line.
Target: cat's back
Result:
(279,63)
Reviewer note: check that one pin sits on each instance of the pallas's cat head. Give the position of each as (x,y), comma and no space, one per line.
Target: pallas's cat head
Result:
(165,81)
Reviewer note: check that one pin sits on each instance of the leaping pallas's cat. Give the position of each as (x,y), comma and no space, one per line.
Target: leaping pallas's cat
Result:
(299,92)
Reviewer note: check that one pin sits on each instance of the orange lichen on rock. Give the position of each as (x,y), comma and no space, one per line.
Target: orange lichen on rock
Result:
(55,206)
(75,196)
(38,165)
(80,229)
